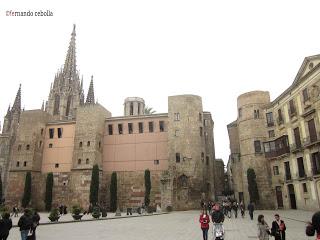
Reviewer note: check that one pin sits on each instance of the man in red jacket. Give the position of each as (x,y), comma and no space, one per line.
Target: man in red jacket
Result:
(204,220)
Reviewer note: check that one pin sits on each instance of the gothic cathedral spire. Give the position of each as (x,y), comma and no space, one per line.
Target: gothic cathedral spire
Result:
(90,96)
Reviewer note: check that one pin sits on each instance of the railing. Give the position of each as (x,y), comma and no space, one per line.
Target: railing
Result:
(292,112)
(295,147)
(278,152)
(270,124)
(308,141)
(288,177)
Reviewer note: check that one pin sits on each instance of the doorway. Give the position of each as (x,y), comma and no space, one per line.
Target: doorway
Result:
(292,196)
(279,197)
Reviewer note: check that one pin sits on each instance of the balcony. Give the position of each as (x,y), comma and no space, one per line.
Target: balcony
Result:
(311,140)
(288,177)
(277,148)
(280,121)
(270,124)
(315,171)
(295,148)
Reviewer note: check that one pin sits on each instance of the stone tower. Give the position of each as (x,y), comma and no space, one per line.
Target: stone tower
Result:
(66,93)
(133,106)
(251,129)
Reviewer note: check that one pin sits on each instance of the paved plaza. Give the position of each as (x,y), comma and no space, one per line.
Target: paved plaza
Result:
(173,226)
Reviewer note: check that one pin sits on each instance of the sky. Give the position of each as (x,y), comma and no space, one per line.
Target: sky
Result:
(154,49)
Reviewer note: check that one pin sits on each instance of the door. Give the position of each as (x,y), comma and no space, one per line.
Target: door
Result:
(312,131)
(292,196)
(279,197)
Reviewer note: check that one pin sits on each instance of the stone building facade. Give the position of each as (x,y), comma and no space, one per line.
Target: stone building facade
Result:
(69,135)
(280,140)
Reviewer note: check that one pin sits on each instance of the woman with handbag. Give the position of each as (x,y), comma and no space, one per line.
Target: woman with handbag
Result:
(278,229)
(263,229)
(204,221)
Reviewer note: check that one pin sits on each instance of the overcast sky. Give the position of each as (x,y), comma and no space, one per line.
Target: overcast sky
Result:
(154,49)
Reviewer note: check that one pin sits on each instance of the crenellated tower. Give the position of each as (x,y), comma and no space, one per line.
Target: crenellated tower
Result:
(66,92)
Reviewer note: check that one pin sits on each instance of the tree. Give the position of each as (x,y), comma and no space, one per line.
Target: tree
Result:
(147,183)
(149,110)
(27,191)
(113,192)
(1,197)
(252,185)
(49,187)
(94,186)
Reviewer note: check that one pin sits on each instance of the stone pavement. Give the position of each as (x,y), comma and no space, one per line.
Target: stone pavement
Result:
(173,226)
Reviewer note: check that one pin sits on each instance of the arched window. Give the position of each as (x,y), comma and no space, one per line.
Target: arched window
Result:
(87,161)
(68,105)
(56,104)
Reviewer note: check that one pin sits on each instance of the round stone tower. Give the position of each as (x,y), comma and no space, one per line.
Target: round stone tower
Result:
(252,133)
(133,106)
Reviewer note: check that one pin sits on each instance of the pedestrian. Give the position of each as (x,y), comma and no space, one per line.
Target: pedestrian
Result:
(35,223)
(251,210)
(242,209)
(25,224)
(5,226)
(235,207)
(65,210)
(313,227)
(229,208)
(263,229)
(278,229)
(204,221)
(61,209)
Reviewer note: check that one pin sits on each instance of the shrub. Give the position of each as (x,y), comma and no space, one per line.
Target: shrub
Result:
(169,208)
(76,210)
(113,192)
(27,191)
(49,187)
(252,185)
(94,186)
(96,212)
(54,215)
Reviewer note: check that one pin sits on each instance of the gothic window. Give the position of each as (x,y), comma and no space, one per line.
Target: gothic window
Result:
(177,157)
(207,160)
(56,104)
(28,147)
(87,161)
(68,105)
(80,145)
(88,144)
(24,163)
(202,157)
(177,116)
(256,113)
(17,164)
(79,161)
(19,148)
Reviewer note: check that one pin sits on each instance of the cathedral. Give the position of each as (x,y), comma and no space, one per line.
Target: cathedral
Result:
(71,133)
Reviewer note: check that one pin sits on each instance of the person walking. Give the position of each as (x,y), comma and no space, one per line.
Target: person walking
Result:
(278,229)
(204,221)
(5,226)
(35,223)
(242,209)
(263,229)
(251,210)
(25,224)
(313,227)
(235,207)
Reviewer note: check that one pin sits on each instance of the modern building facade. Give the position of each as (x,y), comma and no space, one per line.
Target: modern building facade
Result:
(71,134)
(280,140)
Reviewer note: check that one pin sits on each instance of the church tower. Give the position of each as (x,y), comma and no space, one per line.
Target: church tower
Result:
(66,92)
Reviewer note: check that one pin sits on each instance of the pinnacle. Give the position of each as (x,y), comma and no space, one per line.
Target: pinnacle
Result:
(90,96)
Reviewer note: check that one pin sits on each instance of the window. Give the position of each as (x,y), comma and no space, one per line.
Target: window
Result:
(305,95)
(131,108)
(80,144)
(315,163)
(41,131)
(130,128)
(177,116)
(287,170)
(297,137)
(56,165)
(207,160)
(200,131)
(150,126)
(40,144)
(50,145)
(292,108)
(301,170)
(177,133)
(177,157)
(161,126)
(200,117)
(206,122)
(312,131)
(17,164)
(156,162)
(280,118)
(206,137)
(99,144)
(28,147)
(256,114)
(59,132)
(110,129)
(87,161)
(120,128)
(257,146)
(304,186)
(269,117)
(202,157)
(239,112)
(24,163)
(275,170)
(19,148)
(79,161)
(140,127)
(271,133)
(51,132)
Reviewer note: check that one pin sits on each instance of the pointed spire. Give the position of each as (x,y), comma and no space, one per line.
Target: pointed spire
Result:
(8,111)
(42,107)
(69,69)
(90,96)
(17,102)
